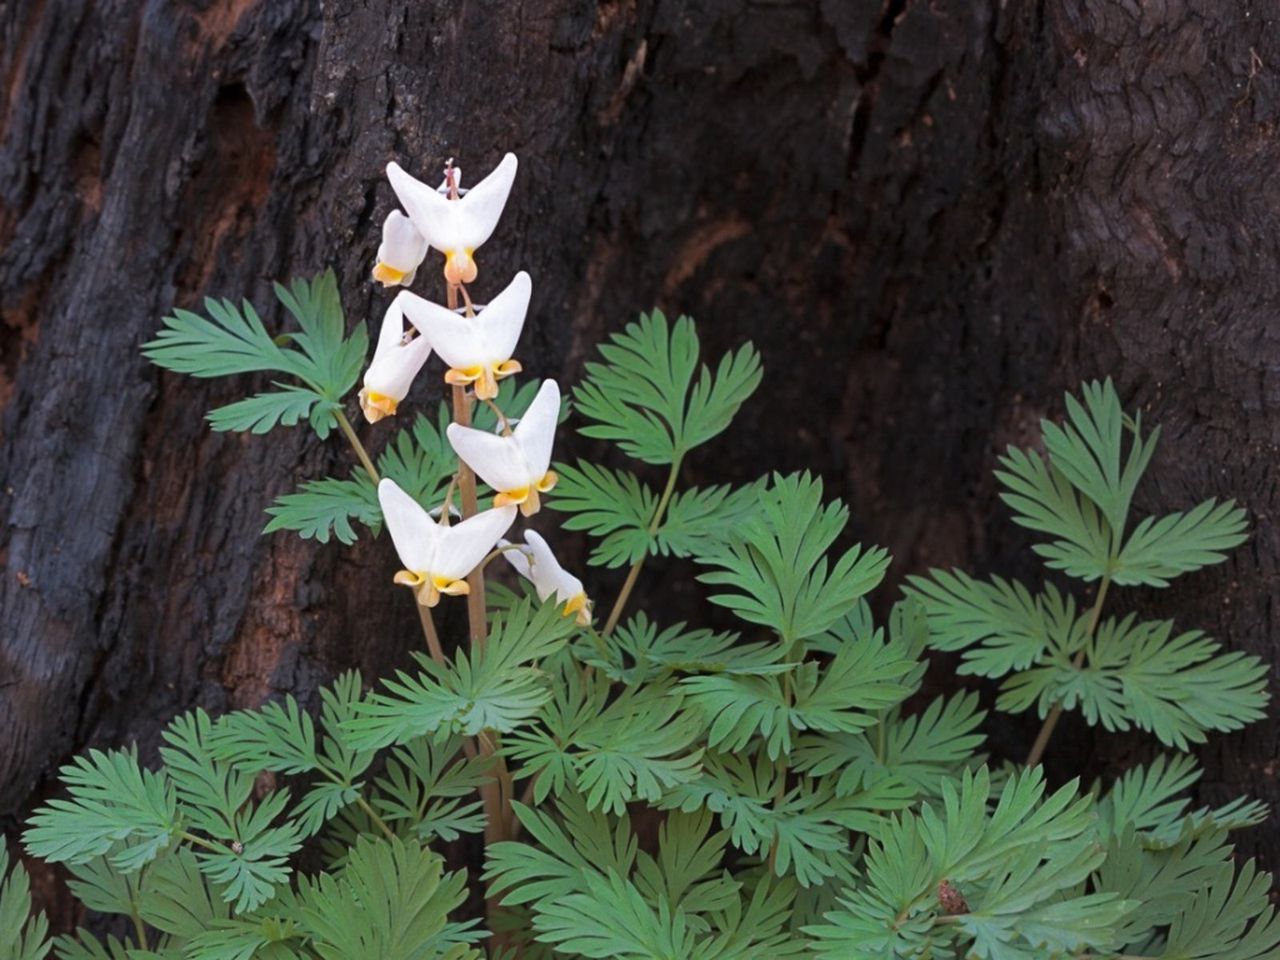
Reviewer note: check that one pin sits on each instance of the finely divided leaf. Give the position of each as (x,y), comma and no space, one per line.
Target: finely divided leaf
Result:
(1089,450)
(612,505)
(1165,547)
(652,398)
(22,936)
(328,507)
(497,689)
(112,800)
(775,566)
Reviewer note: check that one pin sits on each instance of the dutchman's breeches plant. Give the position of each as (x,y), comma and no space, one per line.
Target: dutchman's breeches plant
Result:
(642,788)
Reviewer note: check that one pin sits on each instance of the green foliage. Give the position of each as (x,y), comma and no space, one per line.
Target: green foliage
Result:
(652,398)
(774,568)
(639,652)
(112,800)
(401,894)
(611,751)
(419,459)
(1120,673)
(235,341)
(912,752)
(24,937)
(594,894)
(615,507)
(1016,868)
(253,860)
(498,688)
(612,505)
(798,794)
(842,696)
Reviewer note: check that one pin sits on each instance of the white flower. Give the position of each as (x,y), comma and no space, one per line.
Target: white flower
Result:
(534,561)
(402,249)
(436,557)
(516,465)
(478,349)
(456,227)
(396,361)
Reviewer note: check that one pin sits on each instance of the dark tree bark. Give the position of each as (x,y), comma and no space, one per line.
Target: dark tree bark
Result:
(932,217)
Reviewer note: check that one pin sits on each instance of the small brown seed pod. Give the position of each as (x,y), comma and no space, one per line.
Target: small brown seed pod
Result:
(951,899)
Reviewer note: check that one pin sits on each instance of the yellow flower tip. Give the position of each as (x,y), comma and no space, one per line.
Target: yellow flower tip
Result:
(506,368)
(423,590)
(428,589)
(388,275)
(460,267)
(407,578)
(487,385)
(581,606)
(548,481)
(377,405)
(462,376)
(454,588)
(511,498)
(532,503)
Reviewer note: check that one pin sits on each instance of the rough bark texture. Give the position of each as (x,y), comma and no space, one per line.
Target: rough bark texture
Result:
(932,216)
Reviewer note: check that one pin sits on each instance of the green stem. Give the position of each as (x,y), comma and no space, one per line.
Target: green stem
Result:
(381,824)
(429,631)
(200,841)
(780,766)
(634,573)
(356,445)
(139,928)
(602,648)
(1051,721)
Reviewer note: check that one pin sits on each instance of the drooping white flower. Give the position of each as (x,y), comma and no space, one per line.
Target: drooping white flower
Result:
(402,249)
(438,558)
(534,561)
(516,466)
(456,227)
(478,349)
(396,361)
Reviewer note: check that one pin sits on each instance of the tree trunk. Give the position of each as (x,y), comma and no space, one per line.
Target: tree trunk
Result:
(932,217)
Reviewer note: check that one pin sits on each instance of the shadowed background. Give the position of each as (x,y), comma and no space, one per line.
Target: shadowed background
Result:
(932,218)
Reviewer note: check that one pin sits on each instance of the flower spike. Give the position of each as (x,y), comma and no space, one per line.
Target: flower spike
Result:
(478,349)
(402,249)
(396,361)
(535,562)
(456,227)
(437,558)
(515,465)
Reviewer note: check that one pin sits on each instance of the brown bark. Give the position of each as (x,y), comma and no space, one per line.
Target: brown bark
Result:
(933,217)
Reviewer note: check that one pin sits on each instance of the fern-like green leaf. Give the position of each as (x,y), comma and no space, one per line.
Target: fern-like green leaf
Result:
(1138,674)
(774,565)
(1043,500)
(112,800)
(638,651)
(1000,625)
(1231,920)
(392,900)
(324,508)
(916,750)
(612,505)
(1089,450)
(175,897)
(22,936)
(1165,547)
(632,747)
(261,413)
(497,689)
(1021,861)
(651,397)
(235,341)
